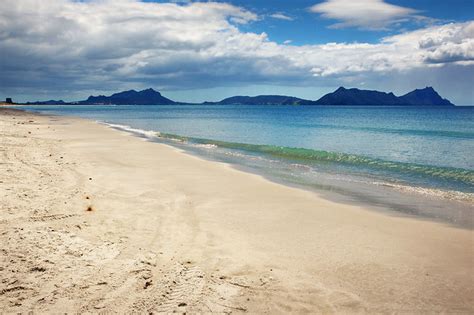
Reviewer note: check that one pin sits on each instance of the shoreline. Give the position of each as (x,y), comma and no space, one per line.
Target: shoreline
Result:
(389,198)
(170,231)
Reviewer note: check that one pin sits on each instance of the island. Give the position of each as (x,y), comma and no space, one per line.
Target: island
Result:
(342,96)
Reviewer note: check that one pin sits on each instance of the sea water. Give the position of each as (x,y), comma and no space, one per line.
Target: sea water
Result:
(410,159)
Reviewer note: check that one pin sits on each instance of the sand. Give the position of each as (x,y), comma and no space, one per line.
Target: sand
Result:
(96,220)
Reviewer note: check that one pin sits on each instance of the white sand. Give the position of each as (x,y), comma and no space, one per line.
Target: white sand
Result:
(171,232)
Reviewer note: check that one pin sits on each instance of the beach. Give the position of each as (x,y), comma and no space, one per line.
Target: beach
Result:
(98,220)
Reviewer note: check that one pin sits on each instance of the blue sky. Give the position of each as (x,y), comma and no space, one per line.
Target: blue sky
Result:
(195,51)
(309,28)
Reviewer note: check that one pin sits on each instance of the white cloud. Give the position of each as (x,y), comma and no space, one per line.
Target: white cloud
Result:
(366,14)
(428,47)
(111,45)
(449,44)
(281,16)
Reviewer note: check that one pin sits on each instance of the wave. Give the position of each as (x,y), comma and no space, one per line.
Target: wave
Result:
(432,192)
(412,132)
(141,132)
(308,156)
(319,156)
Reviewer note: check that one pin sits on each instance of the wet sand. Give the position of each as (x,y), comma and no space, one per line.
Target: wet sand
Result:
(96,220)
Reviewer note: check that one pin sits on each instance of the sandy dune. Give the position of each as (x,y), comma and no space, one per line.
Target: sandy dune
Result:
(93,219)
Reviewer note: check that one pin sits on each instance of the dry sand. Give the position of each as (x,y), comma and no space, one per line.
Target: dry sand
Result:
(171,232)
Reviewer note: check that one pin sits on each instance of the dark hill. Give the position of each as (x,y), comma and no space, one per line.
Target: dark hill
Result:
(342,96)
(132,97)
(261,100)
(426,96)
(50,102)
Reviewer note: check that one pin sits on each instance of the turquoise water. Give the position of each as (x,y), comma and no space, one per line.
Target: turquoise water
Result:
(416,149)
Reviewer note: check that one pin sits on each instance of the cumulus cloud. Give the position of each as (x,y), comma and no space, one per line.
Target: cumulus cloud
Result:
(110,45)
(366,14)
(450,43)
(103,40)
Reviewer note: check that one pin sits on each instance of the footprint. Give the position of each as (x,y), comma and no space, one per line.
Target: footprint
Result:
(51,217)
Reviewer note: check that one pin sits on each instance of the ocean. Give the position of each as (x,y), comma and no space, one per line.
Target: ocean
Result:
(409,160)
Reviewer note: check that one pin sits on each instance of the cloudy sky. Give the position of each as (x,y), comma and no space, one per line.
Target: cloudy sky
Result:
(195,51)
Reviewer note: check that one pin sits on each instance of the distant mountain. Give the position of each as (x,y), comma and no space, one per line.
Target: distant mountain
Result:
(50,102)
(132,97)
(343,96)
(261,100)
(426,96)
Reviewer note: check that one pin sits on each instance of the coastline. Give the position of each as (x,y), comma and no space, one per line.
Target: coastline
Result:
(379,195)
(168,229)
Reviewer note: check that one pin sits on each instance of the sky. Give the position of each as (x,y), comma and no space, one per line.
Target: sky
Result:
(195,51)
